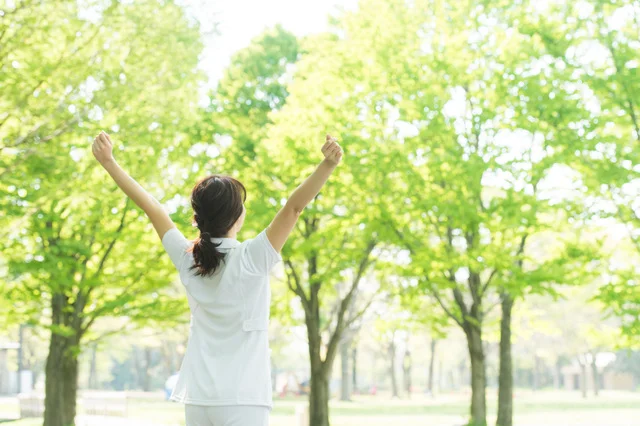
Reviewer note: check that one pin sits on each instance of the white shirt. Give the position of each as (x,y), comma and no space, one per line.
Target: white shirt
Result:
(227,361)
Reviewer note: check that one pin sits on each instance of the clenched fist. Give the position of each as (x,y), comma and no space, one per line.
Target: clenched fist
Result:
(332,150)
(102,148)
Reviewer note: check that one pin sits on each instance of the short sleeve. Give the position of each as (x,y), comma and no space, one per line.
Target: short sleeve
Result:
(176,245)
(260,255)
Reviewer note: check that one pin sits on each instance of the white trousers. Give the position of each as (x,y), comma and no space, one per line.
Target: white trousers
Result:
(231,415)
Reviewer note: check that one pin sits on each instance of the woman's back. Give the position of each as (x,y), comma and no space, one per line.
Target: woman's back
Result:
(227,358)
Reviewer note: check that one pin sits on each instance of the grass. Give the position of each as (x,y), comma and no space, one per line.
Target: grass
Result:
(547,408)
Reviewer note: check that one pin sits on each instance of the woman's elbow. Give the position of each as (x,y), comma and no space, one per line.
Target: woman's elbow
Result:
(294,209)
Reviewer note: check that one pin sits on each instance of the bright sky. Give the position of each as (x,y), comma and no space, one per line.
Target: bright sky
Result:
(242,20)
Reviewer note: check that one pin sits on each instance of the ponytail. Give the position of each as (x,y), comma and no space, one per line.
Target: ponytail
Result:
(218,203)
(206,257)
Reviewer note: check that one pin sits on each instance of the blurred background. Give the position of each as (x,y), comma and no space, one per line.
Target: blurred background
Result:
(474,259)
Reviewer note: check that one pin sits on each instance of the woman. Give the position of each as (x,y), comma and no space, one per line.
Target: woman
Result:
(225,377)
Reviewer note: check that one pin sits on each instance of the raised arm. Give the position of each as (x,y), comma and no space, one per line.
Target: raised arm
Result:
(103,151)
(282,225)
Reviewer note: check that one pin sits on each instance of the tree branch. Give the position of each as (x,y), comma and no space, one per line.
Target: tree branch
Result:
(113,241)
(126,292)
(486,284)
(402,238)
(459,299)
(296,287)
(346,301)
(333,260)
(360,313)
(492,307)
(444,307)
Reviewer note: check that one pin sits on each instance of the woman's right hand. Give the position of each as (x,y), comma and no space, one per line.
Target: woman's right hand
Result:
(102,148)
(332,150)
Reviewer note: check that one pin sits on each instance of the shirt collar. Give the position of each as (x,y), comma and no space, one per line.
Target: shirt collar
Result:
(226,243)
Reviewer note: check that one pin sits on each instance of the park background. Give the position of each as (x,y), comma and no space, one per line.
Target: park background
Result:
(474,259)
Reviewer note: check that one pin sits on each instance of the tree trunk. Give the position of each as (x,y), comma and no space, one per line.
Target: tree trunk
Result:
(320,373)
(20,356)
(345,394)
(431,364)
(168,353)
(583,377)
(594,372)
(146,386)
(61,382)
(478,376)
(274,376)
(462,375)
(143,362)
(505,379)
(406,373)
(557,375)
(93,371)
(536,372)
(319,395)
(392,366)
(354,357)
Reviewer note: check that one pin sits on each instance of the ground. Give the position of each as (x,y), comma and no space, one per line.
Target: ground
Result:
(548,408)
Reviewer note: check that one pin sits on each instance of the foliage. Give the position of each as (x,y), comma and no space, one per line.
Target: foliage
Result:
(70,237)
(596,41)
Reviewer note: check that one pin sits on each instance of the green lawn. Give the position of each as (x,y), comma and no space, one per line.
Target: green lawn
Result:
(532,409)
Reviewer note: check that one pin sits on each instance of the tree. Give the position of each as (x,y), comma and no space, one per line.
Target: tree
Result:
(537,273)
(314,258)
(440,99)
(253,86)
(481,202)
(77,251)
(597,43)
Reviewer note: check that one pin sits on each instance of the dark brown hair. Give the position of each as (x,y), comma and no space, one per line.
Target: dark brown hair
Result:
(217,203)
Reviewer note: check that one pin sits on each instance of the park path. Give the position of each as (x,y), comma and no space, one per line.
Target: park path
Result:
(112,421)
(8,408)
